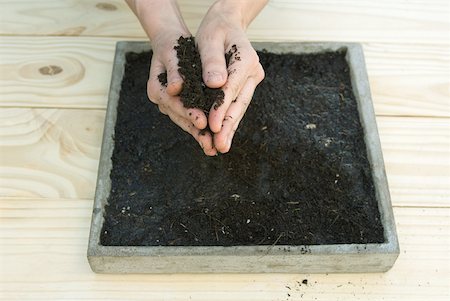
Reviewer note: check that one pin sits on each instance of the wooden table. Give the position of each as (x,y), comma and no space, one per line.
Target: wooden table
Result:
(55,68)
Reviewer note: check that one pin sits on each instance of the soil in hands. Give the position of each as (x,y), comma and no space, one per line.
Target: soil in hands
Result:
(195,93)
(297,173)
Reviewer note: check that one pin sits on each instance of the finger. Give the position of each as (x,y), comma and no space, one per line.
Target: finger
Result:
(236,79)
(237,109)
(197,117)
(173,104)
(162,109)
(158,94)
(154,87)
(212,54)
(204,139)
(185,125)
(174,79)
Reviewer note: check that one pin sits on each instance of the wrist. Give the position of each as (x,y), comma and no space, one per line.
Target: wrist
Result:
(157,16)
(241,12)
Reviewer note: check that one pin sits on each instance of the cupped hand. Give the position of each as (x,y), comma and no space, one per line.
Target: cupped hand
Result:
(164,25)
(166,97)
(222,27)
(221,32)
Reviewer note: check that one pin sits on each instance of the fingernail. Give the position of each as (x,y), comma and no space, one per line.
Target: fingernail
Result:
(214,77)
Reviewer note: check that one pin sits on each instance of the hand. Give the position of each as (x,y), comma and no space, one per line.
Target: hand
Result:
(224,26)
(191,120)
(164,25)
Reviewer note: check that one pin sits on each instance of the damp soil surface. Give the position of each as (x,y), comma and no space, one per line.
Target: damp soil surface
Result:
(297,172)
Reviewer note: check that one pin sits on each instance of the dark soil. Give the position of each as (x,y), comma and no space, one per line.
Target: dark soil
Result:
(195,93)
(297,173)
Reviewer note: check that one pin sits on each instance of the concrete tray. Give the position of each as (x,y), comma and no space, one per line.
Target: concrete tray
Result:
(249,259)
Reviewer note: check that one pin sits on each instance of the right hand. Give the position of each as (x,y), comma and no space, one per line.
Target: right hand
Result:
(222,29)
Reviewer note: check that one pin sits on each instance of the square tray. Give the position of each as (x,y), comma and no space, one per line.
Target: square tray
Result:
(348,258)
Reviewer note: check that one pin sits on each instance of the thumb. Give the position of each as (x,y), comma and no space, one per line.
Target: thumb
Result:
(174,79)
(212,54)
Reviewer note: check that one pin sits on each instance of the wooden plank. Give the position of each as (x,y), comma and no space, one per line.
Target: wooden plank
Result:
(420,21)
(52,153)
(43,257)
(417,159)
(361,21)
(79,77)
(406,80)
(49,152)
(409,80)
(69,18)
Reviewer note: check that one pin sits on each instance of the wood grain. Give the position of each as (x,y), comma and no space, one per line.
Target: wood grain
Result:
(51,72)
(409,80)
(51,235)
(417,158)
(361,21)
(49,152)
(52,153)
(61,72)
(419,21)
(69,18)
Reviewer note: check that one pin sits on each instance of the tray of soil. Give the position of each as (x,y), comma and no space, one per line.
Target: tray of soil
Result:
(303,188)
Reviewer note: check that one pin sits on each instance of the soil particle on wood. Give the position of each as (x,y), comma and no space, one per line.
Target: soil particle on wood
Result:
(195,93)
(284,182)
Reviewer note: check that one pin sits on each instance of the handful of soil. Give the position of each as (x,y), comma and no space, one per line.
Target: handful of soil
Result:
(195,93)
